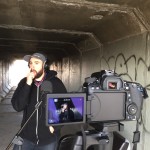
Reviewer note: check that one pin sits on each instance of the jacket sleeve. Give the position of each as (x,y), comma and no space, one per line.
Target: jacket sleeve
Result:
(21,96)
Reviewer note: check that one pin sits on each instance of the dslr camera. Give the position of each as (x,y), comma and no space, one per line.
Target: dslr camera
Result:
(105,100)
(109,98)
(105,97)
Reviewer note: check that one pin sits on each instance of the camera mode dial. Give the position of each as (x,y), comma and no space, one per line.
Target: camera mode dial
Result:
(132,109)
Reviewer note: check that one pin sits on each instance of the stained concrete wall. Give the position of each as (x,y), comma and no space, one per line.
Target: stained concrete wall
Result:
(129,57)
(4,77)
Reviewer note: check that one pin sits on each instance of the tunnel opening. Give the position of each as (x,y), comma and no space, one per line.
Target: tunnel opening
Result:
(17,70)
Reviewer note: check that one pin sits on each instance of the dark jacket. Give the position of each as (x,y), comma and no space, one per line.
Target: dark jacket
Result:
(25,99)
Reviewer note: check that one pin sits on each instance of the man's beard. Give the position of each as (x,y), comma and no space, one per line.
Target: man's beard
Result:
(39,74)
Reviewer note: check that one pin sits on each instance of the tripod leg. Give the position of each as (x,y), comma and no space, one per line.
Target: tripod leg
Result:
(20,147)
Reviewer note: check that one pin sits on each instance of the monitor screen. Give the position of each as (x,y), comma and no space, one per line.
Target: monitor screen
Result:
(66,108)
(108,106)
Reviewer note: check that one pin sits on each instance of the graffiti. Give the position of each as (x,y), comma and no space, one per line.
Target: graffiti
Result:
(131,68)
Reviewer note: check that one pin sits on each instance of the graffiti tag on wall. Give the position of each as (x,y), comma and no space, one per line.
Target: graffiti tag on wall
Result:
(130,69)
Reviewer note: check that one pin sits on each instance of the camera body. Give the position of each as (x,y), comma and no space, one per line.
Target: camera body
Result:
(109,98)
(105,100)
(105,97)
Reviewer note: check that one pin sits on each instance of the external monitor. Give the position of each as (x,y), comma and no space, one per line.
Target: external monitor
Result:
(65,108)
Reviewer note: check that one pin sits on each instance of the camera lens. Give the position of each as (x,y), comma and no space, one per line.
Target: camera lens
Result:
(132,109)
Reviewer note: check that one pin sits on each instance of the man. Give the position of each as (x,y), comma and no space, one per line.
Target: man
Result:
(66,114)
(36,135)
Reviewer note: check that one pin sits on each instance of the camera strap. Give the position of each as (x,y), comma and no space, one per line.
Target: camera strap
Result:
(136,136)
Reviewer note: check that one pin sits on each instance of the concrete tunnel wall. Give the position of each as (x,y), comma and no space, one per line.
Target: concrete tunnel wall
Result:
(129,57)
(4,77)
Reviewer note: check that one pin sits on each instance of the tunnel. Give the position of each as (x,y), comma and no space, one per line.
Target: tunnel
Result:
(79,37)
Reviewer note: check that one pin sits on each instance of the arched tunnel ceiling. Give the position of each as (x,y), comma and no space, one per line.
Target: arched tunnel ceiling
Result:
(57,26)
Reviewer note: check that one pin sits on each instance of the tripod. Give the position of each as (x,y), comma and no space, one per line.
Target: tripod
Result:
(102,137)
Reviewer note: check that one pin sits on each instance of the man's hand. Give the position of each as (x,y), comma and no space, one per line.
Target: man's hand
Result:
(51,129)
(30,76)
(63,110)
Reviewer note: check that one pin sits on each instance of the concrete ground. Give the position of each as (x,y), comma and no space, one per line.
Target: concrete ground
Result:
(10,121)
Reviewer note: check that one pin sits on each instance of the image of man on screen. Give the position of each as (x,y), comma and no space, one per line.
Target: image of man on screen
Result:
(66,114)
